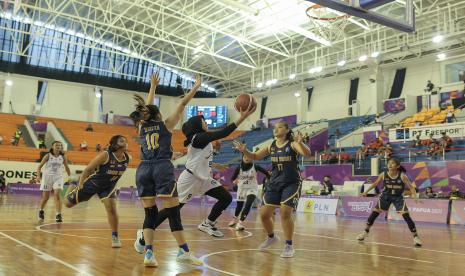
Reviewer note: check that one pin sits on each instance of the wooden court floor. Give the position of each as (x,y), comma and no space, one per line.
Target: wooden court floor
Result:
(325,245)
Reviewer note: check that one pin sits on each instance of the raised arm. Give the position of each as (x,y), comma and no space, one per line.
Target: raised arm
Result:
(299,146)
(260,154)
(376,183)
(172,120)
(153,86)
(98,160)
(202,139)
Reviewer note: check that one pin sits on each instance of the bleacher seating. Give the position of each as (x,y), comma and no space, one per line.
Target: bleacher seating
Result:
(252,138)
(75,132)
(428,117)
(8,125)
(346,125)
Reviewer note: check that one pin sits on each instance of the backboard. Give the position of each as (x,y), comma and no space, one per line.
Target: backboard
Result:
(399,15)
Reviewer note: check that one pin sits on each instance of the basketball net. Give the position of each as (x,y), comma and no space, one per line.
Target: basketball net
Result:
(329,23)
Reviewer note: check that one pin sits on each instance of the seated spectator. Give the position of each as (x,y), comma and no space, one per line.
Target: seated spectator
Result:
(344,156)
(417,142)
(83,146)
(362,152)
(446,141)
(450,117)
(328,187)
(428,141)
(435,149)
(333,158)
(89,128)
(98,148)
(455,193)
(1,139)
(42,144)
(429,193)
(17,137)
(388,150)
(375,144)
(325,157)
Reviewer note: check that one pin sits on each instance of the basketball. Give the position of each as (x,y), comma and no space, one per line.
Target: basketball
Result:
(244,101)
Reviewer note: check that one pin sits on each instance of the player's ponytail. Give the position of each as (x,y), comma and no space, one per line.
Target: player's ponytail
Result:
(141,107)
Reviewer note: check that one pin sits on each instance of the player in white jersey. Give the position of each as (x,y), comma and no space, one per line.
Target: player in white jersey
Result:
(52,178)
(245,176)
(197,178)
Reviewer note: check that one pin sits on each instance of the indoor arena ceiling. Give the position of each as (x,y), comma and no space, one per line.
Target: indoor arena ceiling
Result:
(239,44)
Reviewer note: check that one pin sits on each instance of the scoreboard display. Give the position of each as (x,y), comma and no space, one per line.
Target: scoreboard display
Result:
(215,115)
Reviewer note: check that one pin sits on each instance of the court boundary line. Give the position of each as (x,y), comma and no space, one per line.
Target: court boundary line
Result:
(206,265)
(68,265)
(38,228)
(370,242)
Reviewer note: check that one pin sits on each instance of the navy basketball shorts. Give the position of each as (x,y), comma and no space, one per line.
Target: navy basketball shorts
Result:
(385,201)
(89,189)
(156,178)
(277,194)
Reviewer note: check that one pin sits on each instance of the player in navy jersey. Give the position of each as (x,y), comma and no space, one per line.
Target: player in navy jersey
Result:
(395,180)
(283,191)
(100,177)
(155,174)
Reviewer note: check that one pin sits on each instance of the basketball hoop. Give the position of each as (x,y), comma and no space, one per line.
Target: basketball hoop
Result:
(318,12)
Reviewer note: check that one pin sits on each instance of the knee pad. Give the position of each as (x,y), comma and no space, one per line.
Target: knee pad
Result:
(174,218)
(150,220)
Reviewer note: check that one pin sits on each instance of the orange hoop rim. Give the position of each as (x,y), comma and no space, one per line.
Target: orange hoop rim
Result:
(316,6)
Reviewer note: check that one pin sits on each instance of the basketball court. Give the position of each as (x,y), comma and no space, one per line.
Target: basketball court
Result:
(238,46)
(325,245)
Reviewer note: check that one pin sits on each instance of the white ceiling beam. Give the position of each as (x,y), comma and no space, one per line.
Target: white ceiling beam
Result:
(247,13)
(186,18)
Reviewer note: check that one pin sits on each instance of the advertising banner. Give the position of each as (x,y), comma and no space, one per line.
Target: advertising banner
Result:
(327,206)
(424,210)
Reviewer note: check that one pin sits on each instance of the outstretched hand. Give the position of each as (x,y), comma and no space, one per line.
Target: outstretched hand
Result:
(248,112)
(154,80)
(298,138)
(242,147)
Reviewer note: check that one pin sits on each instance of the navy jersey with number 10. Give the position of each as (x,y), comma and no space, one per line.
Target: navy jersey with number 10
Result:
(155,141)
